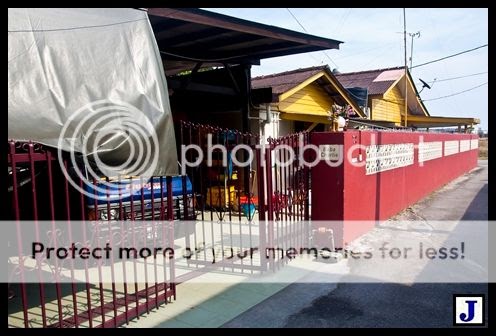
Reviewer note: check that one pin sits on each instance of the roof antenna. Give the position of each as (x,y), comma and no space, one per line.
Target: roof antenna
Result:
(424,85)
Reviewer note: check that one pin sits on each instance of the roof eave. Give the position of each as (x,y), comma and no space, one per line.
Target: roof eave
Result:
(200,16)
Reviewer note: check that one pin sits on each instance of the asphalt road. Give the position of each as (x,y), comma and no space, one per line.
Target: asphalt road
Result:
(382,304)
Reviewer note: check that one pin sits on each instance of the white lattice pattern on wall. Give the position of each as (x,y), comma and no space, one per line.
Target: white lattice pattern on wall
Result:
(464,145)
(430,150)
(450,147)
(386,157)
(474,143)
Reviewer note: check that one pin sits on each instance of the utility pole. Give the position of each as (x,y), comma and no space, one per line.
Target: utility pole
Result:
(406,68)
(412,35)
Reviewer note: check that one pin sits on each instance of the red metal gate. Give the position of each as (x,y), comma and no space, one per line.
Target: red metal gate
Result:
(234,210)
(288,184)
(229,206)
(263,205)
(41,199)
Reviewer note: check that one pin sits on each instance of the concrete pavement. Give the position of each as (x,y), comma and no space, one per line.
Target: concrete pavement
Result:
(382,304)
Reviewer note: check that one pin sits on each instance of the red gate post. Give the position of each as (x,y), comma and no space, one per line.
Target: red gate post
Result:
(15,205)
(170,214)
(262,229)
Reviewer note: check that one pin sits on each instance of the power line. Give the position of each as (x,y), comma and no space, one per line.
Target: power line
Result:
(330,59)
(372,60)
(434,25)
(366,51)
(302,27)
(72,28)
(459,77)
(440,59)
(342,21)
(455,94)
(296,19)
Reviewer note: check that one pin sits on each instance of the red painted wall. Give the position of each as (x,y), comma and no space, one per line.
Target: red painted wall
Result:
(347,193)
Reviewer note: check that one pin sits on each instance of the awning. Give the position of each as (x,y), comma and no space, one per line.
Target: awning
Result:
(434,121)
(186,36)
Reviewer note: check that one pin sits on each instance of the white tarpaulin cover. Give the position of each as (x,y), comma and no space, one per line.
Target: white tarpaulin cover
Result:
(83,72)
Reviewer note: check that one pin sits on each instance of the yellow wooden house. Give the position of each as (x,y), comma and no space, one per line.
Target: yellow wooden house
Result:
(387,92)
(301,100)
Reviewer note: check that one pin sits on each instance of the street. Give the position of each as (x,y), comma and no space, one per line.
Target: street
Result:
(383,304)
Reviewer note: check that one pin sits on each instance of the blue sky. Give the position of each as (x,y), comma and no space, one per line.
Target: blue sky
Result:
(373,39)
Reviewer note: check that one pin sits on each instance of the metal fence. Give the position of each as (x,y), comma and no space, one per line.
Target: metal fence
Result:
(41,198)
(228,206)
(259,205)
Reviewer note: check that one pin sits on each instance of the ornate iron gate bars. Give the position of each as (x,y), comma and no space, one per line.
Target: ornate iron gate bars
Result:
(229,208)
(41,199)
(264,204)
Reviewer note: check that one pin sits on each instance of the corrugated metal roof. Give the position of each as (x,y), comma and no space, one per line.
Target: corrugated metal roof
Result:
(284,81)
(370,79)
(186,36)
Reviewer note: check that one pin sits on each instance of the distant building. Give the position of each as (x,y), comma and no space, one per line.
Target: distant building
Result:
(301,100)
(386,99)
